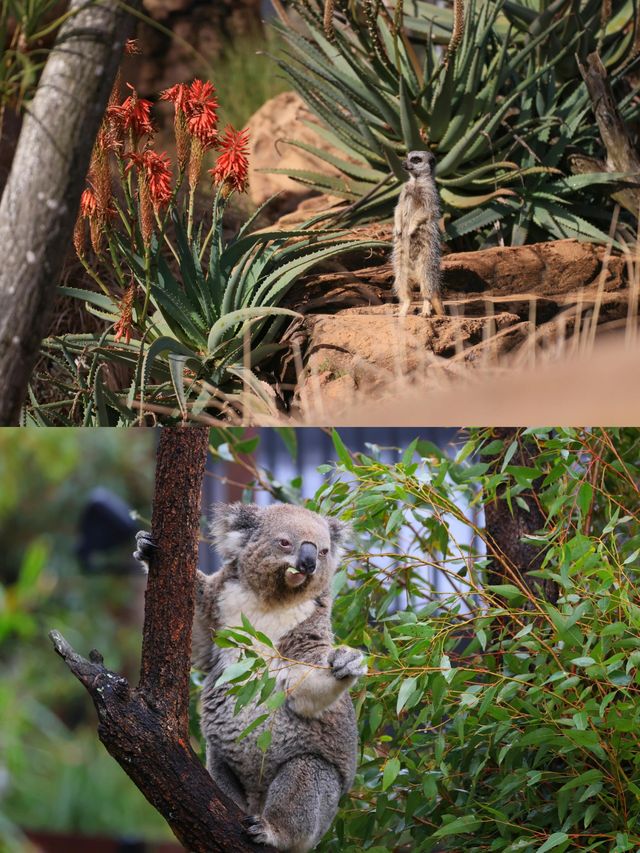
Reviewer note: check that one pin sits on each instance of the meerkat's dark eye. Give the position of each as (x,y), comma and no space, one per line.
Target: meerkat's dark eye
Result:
(284,543)
(323,552)
(416,159)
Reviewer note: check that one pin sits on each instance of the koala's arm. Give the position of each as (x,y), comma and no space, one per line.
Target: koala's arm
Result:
(312,690)
(206,595)
(322,675)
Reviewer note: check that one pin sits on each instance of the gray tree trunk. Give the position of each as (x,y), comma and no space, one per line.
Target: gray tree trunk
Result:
(40,200)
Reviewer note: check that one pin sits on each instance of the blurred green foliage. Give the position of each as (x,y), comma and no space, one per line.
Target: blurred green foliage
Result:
(54,773)
(244,76)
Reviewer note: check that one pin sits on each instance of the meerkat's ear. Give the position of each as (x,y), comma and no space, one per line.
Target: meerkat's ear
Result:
(232,525)
(341,535)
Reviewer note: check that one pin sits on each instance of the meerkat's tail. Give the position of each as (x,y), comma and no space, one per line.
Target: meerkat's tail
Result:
(436,302)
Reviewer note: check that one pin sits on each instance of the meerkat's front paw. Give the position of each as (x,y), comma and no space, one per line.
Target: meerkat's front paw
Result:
(427,308)
(145,548)
(404,308)
(259,830)
(347,663)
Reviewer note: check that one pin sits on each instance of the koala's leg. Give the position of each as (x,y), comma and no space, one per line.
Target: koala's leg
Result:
(225,778)
(300,805)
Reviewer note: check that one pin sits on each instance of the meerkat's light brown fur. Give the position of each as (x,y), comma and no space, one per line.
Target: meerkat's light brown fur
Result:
(416,236)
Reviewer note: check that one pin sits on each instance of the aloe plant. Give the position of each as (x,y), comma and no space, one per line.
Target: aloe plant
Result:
(214,318)
(500,105)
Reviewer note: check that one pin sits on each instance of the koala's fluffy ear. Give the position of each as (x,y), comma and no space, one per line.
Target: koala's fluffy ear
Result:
(341,535)
(232,525)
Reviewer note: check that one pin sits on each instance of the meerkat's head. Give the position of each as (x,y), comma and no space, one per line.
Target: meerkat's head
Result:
(420,164)
(281,552)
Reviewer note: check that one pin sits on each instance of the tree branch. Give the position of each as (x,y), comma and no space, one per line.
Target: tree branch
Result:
(621,153)
(146,729)
(40,200)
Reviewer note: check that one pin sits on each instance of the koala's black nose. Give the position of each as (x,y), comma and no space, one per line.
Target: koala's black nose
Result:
(307,558)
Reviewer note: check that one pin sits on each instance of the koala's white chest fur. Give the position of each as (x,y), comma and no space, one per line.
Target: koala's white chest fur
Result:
(235,599)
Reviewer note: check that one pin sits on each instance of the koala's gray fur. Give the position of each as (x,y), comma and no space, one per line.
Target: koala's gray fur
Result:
(416,236)
(278,564)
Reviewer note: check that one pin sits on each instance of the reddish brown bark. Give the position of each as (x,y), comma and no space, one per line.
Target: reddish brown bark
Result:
(146,728)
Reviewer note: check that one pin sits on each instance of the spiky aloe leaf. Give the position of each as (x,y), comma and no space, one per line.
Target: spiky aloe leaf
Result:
(234,318)
(160,347)
(463,202)
(477,219)
(101,300)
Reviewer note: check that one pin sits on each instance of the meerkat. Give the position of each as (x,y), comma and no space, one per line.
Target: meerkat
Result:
(278,562)
(416,236)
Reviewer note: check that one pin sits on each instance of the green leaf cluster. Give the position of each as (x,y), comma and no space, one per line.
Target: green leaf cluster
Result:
(492,719)
(502,109)
(212,318)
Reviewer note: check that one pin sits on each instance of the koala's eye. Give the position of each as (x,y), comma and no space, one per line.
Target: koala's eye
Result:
(323,552)
(284,543)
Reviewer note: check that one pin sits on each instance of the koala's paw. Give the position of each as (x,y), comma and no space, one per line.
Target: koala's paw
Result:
(259,830)
(347,663)
(145,548)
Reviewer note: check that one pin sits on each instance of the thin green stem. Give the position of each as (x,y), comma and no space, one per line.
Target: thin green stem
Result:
(94,275)
(147,283)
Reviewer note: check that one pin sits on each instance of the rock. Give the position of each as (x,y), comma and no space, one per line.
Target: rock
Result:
(280,119)
(507,309)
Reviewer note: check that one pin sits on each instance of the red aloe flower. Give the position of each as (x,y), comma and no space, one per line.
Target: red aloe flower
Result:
(156,172)
(133,114)
(200,107)
(232,166)
(88,203)
(178,94)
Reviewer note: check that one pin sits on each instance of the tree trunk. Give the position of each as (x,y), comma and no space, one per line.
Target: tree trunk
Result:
(40,200)
(146,729)
(506,527)
(621,152)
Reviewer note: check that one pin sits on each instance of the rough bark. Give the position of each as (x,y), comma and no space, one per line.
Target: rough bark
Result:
(146,729)
(505,528)
(621,153)
(40,199)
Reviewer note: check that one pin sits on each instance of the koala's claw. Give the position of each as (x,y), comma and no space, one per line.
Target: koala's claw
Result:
(145,546)
(347,663)
(257,828)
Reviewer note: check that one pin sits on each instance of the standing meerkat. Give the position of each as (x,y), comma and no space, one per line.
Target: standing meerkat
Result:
(278,564)
(416,236)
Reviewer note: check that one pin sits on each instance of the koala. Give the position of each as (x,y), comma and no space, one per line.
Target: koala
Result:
(278,562)
(416,236)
